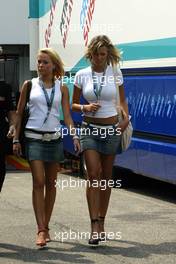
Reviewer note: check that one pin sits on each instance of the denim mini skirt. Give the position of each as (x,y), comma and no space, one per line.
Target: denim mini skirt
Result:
(104,139)
(49,151)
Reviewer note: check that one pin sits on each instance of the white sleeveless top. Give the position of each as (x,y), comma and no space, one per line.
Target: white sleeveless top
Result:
(108,97)
(38,108)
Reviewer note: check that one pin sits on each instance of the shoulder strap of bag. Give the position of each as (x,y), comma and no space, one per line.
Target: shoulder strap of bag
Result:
(117,89)
(29,86)
(116,84)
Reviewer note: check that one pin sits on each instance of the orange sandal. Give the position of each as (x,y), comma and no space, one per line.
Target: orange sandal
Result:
(41,238)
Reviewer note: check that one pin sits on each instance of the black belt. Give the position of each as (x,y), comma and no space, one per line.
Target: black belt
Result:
(39,132)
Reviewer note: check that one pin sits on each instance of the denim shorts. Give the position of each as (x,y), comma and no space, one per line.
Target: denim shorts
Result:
(49,151)
(103,139)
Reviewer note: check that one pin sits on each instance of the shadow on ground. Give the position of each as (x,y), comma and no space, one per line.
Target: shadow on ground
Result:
(144,185)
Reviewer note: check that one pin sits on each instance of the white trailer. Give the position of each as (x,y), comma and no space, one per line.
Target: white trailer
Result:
(145,33)
(143,30)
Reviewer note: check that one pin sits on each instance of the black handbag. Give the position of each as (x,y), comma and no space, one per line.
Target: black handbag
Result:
(25,118)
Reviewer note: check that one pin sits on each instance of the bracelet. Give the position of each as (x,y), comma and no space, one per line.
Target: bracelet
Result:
(82,108)
(75,137)
(15,141)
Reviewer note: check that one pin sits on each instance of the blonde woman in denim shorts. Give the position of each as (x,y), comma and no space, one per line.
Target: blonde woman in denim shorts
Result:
(100,132)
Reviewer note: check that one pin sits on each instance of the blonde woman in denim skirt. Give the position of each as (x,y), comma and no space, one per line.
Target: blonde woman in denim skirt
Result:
(100,131)
(44,146)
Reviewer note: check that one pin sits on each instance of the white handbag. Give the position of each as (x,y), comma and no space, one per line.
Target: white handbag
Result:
(127,133)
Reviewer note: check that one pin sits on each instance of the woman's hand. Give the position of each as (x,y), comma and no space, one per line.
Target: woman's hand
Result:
(17,151)
(76,144)
(125,120)
(12,132)
(92,107)
(123,124)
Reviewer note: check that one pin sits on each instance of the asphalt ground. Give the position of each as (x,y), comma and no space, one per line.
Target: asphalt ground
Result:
(140,224)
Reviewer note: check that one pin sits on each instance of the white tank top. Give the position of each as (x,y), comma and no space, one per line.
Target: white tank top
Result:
(38,108)
(108,97)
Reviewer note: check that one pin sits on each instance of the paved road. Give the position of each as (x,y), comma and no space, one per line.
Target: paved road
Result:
(141,227)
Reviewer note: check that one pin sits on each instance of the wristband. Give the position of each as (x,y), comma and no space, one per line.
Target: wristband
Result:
(82,108)
(15,141)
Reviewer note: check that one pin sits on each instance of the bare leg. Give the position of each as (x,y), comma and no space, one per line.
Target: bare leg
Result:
(93,163)
(38,176)
(107,164)
(50,194)
(37,168)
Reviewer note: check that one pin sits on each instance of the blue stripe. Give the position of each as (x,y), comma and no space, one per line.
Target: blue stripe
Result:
(142,50)
(152,49)
(38,8)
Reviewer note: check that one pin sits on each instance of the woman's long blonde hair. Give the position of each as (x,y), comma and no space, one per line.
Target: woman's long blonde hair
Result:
(58,71)
(103,41)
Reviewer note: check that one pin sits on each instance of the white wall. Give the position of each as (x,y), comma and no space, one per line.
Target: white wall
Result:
(124,21)
(14,27)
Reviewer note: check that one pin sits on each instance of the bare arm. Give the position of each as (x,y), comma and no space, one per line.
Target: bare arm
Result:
(12,122)
(77,107)
(19,114)
(67,116)
(123,102)
(124,107)
(11,117)
(20,108)
(66,107)
(76,99)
